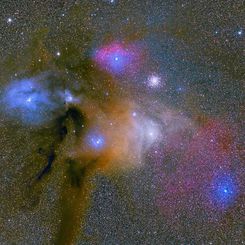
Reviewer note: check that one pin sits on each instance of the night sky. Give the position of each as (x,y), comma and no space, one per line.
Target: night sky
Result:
(122,122)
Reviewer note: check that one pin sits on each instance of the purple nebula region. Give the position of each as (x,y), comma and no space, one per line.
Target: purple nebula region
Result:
(206,179)
(117,58)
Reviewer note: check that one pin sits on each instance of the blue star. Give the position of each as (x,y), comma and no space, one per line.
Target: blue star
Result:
(239,32)
(118,60)
(114,57)
(180,89)
(96,140)
(224,190)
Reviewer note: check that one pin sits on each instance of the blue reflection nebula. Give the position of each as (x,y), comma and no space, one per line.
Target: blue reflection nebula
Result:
(114,57)
(224,190)
(118,60)
(96,140)
(28,101)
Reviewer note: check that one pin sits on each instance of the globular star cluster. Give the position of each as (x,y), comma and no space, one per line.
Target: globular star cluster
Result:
(121,122)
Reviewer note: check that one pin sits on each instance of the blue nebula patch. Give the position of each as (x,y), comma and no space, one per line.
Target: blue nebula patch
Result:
(114,58)
(224,190)
(26,99)
(117,61)
(96,141)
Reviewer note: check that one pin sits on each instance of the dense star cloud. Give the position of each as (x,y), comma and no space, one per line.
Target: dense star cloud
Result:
(121,122)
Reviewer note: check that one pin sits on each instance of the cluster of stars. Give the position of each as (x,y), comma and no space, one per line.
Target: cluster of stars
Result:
(154,81)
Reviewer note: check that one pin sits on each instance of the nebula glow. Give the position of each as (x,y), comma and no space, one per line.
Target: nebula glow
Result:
(31,101)
(203,178)
(117,58)
(95,140)
(121,122)
(27,100)
(224,190)
(68,97)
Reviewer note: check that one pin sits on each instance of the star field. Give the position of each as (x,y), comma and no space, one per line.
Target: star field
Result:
(122,122)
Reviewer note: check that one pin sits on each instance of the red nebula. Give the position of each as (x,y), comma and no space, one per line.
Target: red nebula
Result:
(187,191)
